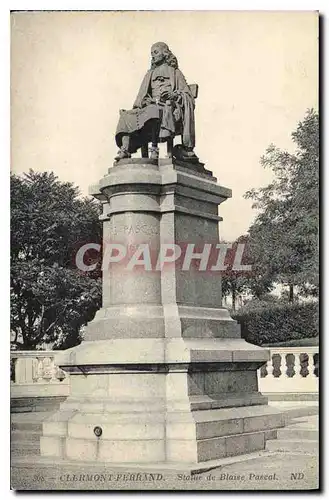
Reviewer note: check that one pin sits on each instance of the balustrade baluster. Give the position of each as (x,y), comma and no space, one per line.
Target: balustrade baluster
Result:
(20,372)
(40,370)
(47,369)
(285,366)
(316,364)
(35,369)
(311,366)
(276,364)
(297,366)
(269,367)
(54,370)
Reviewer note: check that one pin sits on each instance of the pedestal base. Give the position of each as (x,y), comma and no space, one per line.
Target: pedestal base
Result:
(163,375)
(199,403)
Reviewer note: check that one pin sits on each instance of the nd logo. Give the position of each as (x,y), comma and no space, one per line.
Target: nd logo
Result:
(296,475)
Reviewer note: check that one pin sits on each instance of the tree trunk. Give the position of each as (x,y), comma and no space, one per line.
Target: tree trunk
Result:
(233,298)
(291,293)
(15,339)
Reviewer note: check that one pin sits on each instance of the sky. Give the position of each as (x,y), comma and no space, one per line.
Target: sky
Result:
(71,72)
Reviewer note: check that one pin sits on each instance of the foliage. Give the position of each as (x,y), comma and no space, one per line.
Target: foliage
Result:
(255,303)
(236,283)
(50,298)
(278,322)
(309,342)
(284,235)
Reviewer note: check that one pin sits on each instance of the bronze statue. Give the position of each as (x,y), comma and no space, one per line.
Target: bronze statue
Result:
(164,107)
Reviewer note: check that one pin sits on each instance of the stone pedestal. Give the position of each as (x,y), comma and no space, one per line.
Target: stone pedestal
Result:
(163,372)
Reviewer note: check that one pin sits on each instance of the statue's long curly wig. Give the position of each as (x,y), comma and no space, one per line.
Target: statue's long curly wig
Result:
(171,60)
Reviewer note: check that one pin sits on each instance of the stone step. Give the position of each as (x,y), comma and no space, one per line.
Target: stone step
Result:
(31,421)
(198,436)
(229,413)
(25,436)
(293,445)
(24,448)
(292,412)
(226,401)
(310,422)
(228,446)
(35,404)
(145,450)
(295,434)
(26,426)
(204,424)
(217,426)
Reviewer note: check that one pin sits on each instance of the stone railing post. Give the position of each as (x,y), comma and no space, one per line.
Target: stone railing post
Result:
(269,367)
(290,381)
(36,374)
(311,366)
(297,367)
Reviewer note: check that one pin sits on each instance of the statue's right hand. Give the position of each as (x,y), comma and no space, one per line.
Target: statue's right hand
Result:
(146,101)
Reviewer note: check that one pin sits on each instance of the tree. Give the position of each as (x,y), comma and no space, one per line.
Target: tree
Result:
(284,235)
(51,299)
(235,283)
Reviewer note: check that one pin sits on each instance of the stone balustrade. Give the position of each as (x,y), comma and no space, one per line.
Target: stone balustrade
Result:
(35,374)
(291,370)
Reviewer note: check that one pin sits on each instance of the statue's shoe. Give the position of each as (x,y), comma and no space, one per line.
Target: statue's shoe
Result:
(154,153)
(180,153)
(122,154)
(189,155)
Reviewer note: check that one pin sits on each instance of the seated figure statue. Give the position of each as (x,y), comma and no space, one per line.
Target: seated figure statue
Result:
(164,101)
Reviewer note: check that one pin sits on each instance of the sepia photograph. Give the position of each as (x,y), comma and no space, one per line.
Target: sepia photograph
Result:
(164,250)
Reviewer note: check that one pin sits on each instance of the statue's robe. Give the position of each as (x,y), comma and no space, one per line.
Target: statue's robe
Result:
(175,118)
